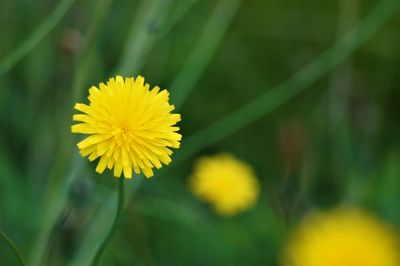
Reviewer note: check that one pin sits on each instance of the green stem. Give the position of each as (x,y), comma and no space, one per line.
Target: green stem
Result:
(14,248)
(35,38)
(121,197)
(206,46)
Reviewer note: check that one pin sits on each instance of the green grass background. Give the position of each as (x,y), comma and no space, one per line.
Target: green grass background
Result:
(305,91)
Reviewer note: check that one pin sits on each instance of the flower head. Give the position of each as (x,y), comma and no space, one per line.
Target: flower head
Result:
(340,238)
(225,182)
(130,126)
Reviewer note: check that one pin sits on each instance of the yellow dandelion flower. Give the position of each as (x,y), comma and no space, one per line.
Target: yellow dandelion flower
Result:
(344,237)
(226,183)
(130,127)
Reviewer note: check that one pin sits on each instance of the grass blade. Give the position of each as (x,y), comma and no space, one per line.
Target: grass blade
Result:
(34,39)
(202,53)
(288,89)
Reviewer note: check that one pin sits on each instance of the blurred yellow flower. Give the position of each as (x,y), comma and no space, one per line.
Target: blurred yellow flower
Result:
(130,126)
(225,182)
(344,237)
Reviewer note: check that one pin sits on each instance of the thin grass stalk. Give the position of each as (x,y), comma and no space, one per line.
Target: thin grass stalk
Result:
(142,36)
(13,247)
(36,37)
(204,50)
(141,40)
(288,89)
(176,16)
(120,206)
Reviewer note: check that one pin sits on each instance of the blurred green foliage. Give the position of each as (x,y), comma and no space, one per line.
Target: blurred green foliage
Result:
(333,140)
